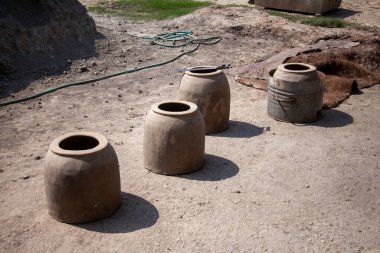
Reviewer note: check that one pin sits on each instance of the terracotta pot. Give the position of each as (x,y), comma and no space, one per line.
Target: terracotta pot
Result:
(82,178)
(295,93)
(210,91)
(174,138)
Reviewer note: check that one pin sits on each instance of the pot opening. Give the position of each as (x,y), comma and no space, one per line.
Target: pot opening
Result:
(271,72)
(202,70)
(174,107)
(296,67)
(79,142)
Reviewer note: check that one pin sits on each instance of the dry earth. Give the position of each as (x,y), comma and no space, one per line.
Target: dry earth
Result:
(266,186)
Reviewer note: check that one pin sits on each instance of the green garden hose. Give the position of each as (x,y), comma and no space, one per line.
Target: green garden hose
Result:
(171,40)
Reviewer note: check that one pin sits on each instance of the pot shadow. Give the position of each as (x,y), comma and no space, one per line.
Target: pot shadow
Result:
(239,129)
(135,213)
(341,13)
(331,118)
(214,168)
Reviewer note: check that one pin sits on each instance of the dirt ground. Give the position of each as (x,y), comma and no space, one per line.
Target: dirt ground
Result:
(266,186)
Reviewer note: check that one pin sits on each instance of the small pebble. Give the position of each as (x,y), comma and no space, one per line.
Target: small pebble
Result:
(83,69)
(37,157)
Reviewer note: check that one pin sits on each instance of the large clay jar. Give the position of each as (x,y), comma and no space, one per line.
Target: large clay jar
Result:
(295,93)
(174,138)
(210,91)
(82,178)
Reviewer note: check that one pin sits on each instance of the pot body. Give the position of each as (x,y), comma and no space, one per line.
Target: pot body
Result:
(174,141)
(295,93)
(211,93)
(82,178)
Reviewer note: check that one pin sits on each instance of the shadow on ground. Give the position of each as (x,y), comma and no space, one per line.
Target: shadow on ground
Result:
(134,214)
(239,129)
(342,13)
(215,168)
(40,65)
(36,42)
(333,118)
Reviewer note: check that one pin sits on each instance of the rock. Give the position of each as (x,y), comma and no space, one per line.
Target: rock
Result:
(37,157)
(83,69)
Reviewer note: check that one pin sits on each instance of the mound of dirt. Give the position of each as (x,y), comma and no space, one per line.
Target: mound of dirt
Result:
(263,31)
(37,32)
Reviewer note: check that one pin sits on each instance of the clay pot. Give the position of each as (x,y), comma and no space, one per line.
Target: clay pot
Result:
(174,138)
(210,91)
(295,93)
(82,178)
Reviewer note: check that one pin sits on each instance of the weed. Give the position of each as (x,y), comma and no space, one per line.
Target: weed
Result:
(148,9)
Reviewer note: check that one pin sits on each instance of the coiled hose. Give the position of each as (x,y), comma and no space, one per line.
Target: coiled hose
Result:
(171,40)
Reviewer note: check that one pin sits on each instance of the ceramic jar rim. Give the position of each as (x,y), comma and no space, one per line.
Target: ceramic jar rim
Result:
(55,148)
(217,72)
(310,68)
(193,108)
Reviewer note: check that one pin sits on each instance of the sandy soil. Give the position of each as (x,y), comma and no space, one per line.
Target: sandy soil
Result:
(365,12)
(266,186)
